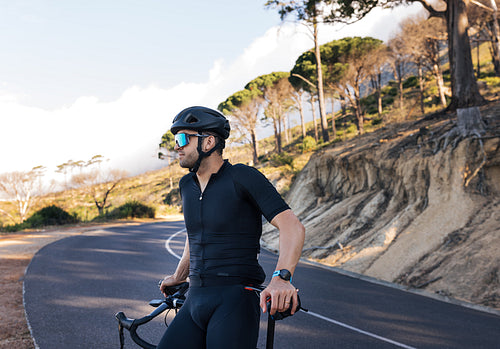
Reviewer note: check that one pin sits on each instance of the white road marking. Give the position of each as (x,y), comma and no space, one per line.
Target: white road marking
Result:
(167,243)
(401,345)
(319,316)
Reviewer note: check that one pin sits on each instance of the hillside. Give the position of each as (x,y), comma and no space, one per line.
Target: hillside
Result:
(397,205)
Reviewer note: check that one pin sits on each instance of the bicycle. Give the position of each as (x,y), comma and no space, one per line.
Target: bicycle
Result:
(175,300)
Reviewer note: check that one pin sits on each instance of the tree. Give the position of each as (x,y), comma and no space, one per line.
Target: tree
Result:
(303,78)
(167,146)
(276,91)
(484,17)
(297,97)
(465,98)
(98,183)
(377,61)
(21,187)
(435,34)
(348,67)
(309,12)
(398,59)
(421,38)
(244,107)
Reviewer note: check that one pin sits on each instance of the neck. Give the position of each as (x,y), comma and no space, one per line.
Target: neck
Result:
(209,166)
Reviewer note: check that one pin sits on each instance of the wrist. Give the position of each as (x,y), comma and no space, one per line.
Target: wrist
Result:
(283,274)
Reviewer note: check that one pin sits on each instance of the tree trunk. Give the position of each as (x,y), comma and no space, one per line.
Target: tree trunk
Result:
(495,38)
(399,73)
(375,80)
(379,94)
(421,88)
(277,138)
(254,147)
(436,68)
(321,95)
(359,113)
(302,122)
(281,130)
(465,92)
(313,106)
(334,129)
(100,207)
(343,105)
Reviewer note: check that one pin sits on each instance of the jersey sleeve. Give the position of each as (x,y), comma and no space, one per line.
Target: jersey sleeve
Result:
(259,190)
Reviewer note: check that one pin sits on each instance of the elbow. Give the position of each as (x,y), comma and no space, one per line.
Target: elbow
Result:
(301,231)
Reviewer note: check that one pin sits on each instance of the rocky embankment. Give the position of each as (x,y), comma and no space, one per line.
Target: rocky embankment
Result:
(406,204)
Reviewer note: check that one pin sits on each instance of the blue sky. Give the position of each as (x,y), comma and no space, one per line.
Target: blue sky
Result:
(80,78)
(60,50)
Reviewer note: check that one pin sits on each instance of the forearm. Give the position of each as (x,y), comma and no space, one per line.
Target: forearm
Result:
(182,270)
(281,292)
(291,240)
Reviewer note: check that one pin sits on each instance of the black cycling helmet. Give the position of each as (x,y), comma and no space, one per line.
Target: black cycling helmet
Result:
(201,119)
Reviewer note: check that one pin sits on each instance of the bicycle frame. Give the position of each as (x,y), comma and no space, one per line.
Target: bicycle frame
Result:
(175,301)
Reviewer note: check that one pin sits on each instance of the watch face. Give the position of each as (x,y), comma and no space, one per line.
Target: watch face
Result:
(285,274)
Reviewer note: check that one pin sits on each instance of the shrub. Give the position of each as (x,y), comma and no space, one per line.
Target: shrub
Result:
(390,91)
(132,209)
(50,215)
(412,81)
(308,144)
(173,197)
(282,159)
(492,81)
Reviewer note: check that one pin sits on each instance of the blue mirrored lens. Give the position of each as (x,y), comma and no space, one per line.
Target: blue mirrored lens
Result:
(181,139)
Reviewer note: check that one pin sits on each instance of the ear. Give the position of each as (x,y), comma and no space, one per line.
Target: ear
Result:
(209,143)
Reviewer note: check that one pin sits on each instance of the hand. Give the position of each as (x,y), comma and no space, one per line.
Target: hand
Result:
(169,280)
(281,293)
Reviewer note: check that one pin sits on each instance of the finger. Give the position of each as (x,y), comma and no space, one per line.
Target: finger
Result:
(295,302)
(275,303)
(263,301)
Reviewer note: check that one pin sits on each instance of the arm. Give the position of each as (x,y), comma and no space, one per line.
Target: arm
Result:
(291,241)
(181,272)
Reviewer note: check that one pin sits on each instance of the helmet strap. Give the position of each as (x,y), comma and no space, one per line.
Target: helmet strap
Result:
(202,154)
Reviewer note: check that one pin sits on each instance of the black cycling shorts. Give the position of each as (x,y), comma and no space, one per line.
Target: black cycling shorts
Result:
(215,317)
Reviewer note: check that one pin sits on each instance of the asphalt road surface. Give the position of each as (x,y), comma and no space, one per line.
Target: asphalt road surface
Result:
(74,287)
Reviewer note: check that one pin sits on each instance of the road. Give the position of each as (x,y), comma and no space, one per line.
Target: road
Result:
(73,288)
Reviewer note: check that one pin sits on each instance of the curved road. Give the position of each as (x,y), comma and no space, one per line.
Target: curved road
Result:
(73,288)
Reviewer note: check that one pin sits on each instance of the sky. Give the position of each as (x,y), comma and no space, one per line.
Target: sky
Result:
(80,78)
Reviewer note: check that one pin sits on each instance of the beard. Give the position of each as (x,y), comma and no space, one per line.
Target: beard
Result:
(188,161)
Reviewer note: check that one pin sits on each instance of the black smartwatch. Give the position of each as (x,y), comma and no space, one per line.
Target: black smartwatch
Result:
(284,274)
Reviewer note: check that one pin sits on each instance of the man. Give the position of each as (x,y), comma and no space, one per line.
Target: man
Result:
(223,205)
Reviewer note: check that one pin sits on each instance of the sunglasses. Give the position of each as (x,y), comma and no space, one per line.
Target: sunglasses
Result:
(182,139)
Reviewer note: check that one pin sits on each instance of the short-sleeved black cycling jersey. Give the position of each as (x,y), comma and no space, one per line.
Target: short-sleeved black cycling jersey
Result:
(224,224)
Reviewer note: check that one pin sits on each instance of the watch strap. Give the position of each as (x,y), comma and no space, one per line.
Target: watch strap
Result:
(278,273)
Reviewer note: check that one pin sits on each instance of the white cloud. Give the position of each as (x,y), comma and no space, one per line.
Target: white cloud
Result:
(128,130)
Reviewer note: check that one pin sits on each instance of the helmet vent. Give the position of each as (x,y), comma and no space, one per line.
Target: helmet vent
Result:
(191,119)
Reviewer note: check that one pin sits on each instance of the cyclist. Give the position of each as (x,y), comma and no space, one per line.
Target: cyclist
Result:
(223,206)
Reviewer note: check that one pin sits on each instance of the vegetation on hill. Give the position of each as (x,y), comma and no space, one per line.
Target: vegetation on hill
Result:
(280,157)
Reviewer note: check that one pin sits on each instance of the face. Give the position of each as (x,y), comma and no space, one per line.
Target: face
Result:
(188,154)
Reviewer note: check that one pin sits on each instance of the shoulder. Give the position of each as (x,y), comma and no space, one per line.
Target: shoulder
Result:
(185,179)
(249,178)
(245,171)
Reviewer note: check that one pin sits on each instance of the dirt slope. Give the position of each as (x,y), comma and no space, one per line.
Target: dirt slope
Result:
(407,205)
